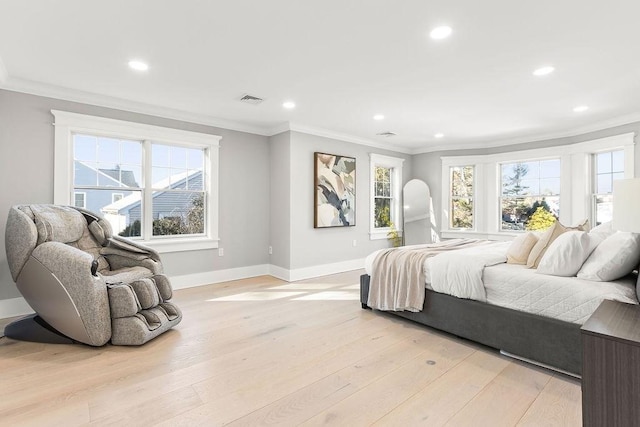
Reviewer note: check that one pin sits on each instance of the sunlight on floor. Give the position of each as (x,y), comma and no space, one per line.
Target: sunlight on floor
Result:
(305,286)
(299,292)
(257,296)
(330,295)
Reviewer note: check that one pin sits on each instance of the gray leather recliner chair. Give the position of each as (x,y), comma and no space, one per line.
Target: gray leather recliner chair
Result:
(84,283)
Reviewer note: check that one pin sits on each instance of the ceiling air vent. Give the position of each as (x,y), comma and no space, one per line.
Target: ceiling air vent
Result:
(250,99)
(387,134)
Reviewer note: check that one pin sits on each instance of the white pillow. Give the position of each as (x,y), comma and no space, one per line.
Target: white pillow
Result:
(567,253)
(605,229)
(614,258)
(520,248)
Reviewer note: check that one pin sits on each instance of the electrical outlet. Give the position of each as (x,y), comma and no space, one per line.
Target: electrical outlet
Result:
(220,252)
(270,250)
(355,243)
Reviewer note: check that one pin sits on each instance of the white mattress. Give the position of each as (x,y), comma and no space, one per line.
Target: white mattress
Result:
(564,298)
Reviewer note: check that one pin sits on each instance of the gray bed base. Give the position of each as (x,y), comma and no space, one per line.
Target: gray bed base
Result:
(541,339)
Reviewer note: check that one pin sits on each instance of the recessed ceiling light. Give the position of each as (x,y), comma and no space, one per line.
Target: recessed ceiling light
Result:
(378,117)
(289,105)
(138,65)
(438,135)
(581,108)
(543,71)
(441,32)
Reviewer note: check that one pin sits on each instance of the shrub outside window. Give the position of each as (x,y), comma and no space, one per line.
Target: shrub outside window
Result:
(525,186)
(462,187)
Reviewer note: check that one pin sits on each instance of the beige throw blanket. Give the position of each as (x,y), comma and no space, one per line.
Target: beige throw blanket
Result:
(398,281)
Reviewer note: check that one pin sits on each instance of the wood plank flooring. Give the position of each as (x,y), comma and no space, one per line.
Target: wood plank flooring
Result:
(262,351)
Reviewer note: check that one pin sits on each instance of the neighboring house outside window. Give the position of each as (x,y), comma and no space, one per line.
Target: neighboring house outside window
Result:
(80,199)
(608,167)
(461,197)
(386,181)
(525,187)
(173,198)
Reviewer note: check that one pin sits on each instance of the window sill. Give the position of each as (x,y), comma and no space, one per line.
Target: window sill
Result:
(381,233)
(473,234)
(181,245)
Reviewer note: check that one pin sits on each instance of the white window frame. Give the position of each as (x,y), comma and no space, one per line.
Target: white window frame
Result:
(575,182)
(628,173)
(67,124)
(395,164)
(473,197)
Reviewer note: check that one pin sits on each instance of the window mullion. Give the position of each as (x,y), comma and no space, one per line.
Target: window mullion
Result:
(147,192)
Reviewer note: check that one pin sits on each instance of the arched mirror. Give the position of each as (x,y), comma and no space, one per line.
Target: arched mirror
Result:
(416,213)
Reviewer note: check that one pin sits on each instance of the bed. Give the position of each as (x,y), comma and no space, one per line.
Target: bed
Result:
(530,316)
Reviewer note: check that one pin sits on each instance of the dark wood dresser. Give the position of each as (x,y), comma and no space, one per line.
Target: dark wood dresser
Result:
(611,366)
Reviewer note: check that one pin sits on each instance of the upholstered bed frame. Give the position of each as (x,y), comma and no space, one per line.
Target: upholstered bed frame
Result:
(540,339)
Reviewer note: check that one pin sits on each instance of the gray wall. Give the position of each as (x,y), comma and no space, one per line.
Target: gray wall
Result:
(428,166)
(26,173)
(311,246)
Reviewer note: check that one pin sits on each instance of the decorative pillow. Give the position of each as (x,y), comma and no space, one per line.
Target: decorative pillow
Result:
(605,229)
(568,252)
(520,248)
(614,258)
(547,238)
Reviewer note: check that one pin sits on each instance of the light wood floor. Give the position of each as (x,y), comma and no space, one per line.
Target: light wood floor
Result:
(262,351)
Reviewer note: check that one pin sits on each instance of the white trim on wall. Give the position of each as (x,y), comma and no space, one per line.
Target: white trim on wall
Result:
(90,98)
(14,307)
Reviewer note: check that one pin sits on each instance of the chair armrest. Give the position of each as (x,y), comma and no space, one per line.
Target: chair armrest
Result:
(72,268)
(134,247)
(120,258)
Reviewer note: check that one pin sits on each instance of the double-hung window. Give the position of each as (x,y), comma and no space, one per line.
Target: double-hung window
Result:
(155,184)
(461,197)
(607,167)
(525,187)
(386,181)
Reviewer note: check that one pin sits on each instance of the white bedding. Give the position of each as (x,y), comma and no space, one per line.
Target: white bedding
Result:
(564,298)
(516,287)
(459,273)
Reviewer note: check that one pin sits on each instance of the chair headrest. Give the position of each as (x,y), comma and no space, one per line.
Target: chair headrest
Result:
(57,223)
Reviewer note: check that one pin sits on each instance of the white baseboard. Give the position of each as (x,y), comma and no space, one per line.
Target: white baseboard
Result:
(208,277)
(325,269)
(19,307)
(14,307)
(280,273)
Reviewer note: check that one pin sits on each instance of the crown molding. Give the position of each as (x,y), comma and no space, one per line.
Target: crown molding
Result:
(66,94)
(325,133)
(58,92)
(594,127)
(4,75)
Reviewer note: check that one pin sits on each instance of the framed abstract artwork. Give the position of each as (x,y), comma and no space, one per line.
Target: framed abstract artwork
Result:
(335,191)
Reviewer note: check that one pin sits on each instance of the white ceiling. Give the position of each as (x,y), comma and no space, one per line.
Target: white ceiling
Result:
(341,62)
